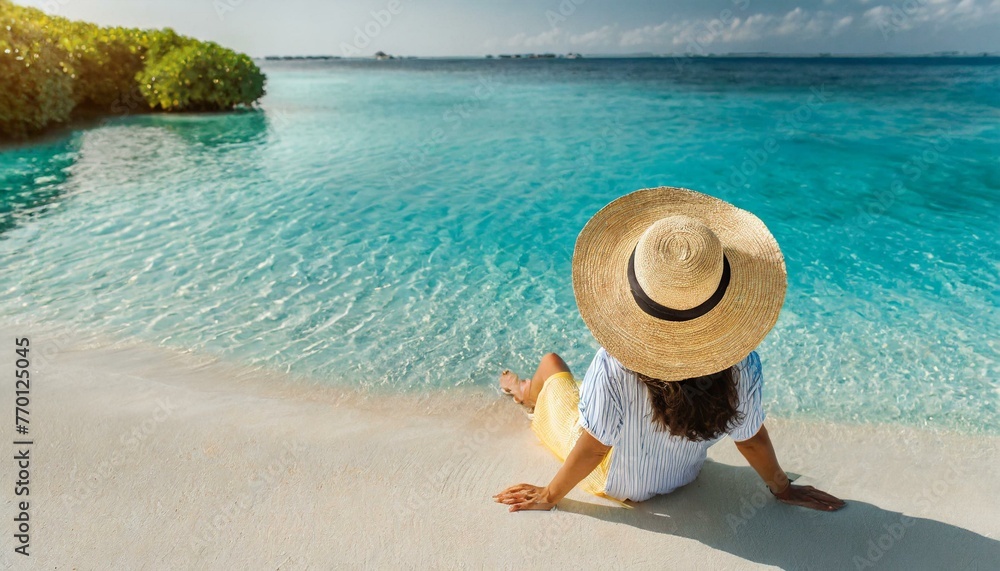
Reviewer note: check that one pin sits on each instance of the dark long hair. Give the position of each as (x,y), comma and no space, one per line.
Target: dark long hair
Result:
(699,408)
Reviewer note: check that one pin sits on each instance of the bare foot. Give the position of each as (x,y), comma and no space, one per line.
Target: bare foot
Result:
(513,385)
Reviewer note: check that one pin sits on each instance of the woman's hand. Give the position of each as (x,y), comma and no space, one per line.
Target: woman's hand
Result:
(586,454)
(525,497)
(809,497)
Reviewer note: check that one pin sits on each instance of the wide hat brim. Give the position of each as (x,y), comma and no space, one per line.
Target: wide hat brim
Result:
(677,350)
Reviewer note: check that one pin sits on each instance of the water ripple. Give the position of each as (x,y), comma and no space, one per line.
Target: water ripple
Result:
(387,227)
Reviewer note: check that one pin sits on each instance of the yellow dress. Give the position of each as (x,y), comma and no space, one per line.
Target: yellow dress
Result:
(557,424)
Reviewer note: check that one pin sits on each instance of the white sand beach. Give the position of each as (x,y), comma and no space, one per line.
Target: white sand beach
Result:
(144,458)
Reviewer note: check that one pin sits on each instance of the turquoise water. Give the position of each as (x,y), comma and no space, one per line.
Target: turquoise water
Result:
(409,224)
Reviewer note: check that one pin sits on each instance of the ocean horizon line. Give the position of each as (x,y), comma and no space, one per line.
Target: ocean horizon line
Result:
(580,55)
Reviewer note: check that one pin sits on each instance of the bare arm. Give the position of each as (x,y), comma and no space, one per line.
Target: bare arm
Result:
(585,456)
(582,460)
(759,453)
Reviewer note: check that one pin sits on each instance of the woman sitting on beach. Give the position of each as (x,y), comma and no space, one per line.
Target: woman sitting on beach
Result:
(678,288)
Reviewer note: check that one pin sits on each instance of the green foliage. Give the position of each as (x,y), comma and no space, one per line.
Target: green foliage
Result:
(159,43)
(105,62)
(35,90)
(51,67)
(201,76)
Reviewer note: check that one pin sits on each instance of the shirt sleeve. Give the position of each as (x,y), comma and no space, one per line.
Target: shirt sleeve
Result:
(601,411)
(749,387)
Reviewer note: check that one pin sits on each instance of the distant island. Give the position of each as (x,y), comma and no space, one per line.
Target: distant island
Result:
(536,56)
(379,55)
(294,58)
(53,69)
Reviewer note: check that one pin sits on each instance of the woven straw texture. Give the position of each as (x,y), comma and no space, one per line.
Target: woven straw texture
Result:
(676,350)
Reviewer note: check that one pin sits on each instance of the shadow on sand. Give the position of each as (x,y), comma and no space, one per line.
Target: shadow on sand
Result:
(726,508)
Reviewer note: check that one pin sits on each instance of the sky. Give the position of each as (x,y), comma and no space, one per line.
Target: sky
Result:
(468,28)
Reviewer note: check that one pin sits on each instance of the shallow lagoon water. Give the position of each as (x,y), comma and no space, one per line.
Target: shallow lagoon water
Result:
(409,224)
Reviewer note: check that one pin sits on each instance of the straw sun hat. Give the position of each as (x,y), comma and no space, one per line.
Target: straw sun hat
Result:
(677,284)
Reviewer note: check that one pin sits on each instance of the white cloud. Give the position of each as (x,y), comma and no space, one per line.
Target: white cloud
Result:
(953,14)
(652,34)
(544,39)
(697,35)
(841,25)
(731,30)
(558,38)
(603,36)
(876,13)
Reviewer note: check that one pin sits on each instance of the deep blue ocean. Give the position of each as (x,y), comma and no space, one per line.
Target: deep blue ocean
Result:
(409,224)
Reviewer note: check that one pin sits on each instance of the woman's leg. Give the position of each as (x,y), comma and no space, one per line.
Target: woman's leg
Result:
(549,365)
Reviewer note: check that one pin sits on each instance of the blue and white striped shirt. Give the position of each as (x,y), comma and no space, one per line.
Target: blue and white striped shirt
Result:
(646,459)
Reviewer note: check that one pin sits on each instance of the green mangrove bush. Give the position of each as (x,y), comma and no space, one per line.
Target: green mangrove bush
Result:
(201,77)
(35,88)
(52,68)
